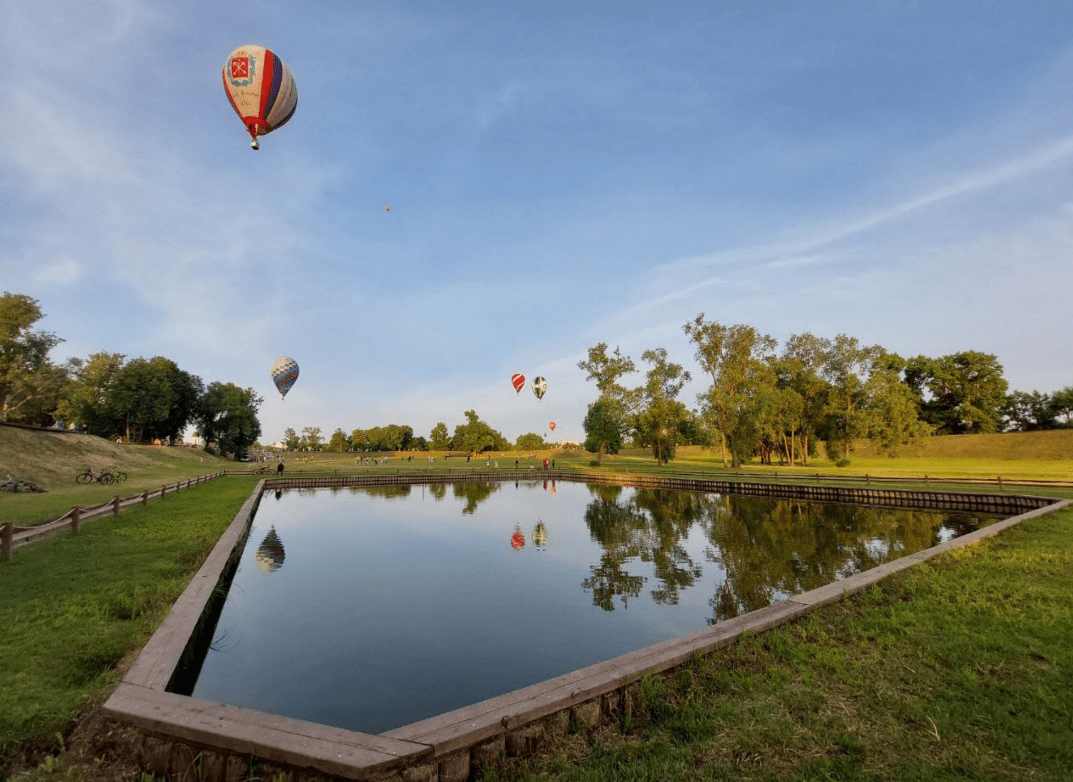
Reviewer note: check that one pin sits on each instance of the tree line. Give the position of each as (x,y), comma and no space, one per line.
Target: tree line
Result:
(764,402)
(105,394)
(474,436)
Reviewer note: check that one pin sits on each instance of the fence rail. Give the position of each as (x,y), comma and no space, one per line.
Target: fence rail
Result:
(11,537)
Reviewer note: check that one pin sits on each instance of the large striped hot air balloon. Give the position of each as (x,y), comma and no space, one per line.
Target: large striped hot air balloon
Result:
(540,387)
(260,88)
(518,381)
(284,373)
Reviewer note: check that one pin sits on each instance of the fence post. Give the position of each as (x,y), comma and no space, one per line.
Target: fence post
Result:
(926,481)
(163,491)
(76,517)
(1000,483)
(115,505)
(7,541)
(145,497)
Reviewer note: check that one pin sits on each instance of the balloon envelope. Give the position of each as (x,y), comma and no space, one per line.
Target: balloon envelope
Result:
(552,426)
(260,88)
(284,373)
(518,381)
(540,387)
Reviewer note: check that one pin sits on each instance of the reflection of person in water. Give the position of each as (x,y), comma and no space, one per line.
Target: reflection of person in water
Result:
(540,536)
(269,555)
(517,540)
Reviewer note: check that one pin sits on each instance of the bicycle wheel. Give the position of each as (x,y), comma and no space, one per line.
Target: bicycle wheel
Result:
(84,477)
(106,479)
(120,476)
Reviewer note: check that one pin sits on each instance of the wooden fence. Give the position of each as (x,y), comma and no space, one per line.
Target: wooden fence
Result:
(11,537)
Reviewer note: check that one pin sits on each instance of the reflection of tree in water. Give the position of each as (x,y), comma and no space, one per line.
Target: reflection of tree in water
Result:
(473,493)
(791,546)
(390,491)
(437,490)
(649,527)
(269,555)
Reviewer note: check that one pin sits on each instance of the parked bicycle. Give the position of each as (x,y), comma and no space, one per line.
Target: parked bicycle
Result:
(105,477)
(118,474)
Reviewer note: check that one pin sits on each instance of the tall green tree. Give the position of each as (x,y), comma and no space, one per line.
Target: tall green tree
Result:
(607,370)
(530,441)
(291,440)
(439,437)
(847,368)
(86,403)
(25,373)
(226,417)
(660,419)
(959,393)
(311,438)
(339,442)
(738,361)
(1062,405)
(605,426)
(139,398)
(475,436)
(891,407)
(799,369)
(1029,412)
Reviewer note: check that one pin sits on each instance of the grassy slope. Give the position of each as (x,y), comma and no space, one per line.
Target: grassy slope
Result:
(51,460)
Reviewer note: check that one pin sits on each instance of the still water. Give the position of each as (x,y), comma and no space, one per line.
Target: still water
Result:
(368,608)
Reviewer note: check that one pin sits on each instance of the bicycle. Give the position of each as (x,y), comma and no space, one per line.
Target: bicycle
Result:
(89,476)
(118,474)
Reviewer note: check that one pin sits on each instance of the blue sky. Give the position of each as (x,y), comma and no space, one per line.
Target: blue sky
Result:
(559,174)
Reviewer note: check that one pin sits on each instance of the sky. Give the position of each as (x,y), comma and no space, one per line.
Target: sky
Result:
(559,174)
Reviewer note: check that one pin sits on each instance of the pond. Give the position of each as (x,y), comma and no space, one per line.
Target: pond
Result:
(368,608)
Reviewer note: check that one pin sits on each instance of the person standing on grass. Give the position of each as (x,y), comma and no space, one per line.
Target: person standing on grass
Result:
(279,467)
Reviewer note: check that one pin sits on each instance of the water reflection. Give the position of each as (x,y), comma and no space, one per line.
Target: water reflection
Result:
(269,555)
(406,624)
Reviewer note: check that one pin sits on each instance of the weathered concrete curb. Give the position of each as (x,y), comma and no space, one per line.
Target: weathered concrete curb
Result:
(223,740)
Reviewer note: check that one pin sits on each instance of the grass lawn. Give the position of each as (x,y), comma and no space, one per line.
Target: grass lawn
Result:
(961,668)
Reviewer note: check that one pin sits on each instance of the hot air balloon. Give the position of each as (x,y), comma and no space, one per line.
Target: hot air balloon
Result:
(284,373)
(260,88)
(540,387)
(552,426)
(518,381)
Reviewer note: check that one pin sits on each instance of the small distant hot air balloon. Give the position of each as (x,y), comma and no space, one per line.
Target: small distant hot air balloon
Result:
(260,88)
(540,387)
(518,381)
(552,426)
(284,373)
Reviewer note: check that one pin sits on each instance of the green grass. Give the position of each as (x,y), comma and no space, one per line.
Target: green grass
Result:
(959,669)
(51,460)
(75,609)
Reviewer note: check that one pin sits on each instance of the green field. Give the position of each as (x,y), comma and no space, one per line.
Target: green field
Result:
(961,668)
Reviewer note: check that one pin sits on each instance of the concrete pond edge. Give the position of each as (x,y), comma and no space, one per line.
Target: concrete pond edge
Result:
(187,738)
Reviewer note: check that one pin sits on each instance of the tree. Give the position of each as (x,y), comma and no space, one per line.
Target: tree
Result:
(847,368)
(339,442)
(226,416)
(439,438)
(291,441)
(960,393)
(139,398)
(659,422)
(86,403)
(738,361)
(475,436)
(311,438)
(604,425)
(799,370)
(1029,412)
(891,408)
(606,371)
(24,353)
(530,441)
(1062,404)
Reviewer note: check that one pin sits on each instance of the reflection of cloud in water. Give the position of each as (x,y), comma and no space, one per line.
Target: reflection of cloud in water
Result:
(269,555)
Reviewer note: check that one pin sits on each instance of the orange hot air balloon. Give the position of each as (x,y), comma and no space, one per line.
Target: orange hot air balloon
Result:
(552,426)
(518,381)
(261,90)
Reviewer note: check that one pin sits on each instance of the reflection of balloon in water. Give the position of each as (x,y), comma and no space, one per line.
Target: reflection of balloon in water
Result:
(518,381)
(552,426)
(540,536)
(269,555)
(552,490)
(540,387)
(284,373)
(517,540)
(260,88)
